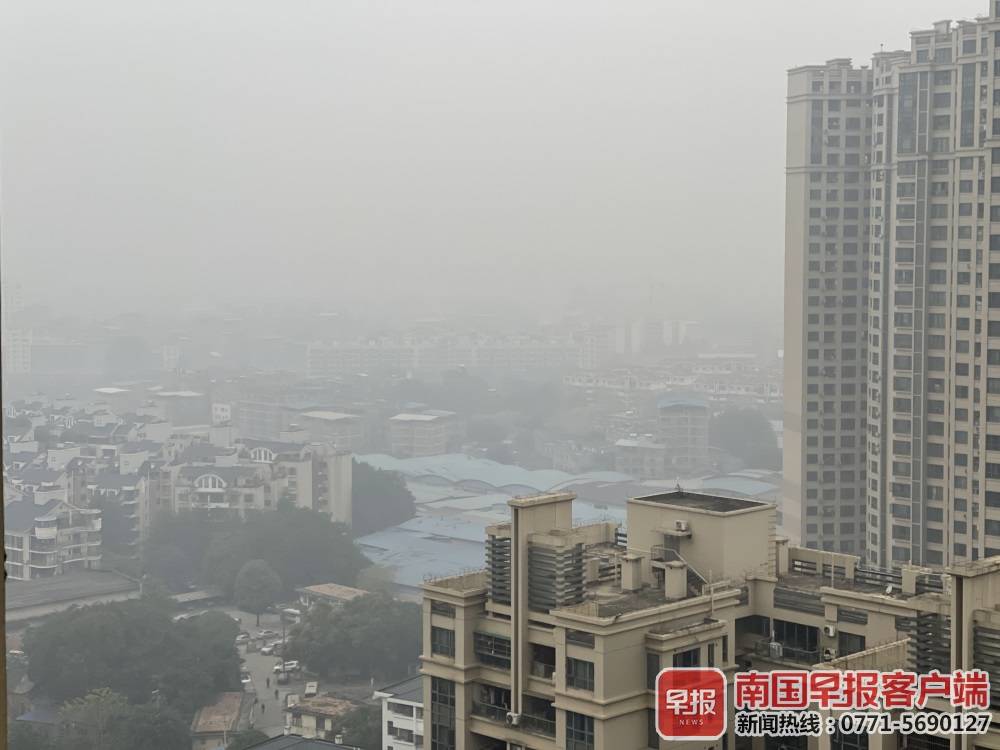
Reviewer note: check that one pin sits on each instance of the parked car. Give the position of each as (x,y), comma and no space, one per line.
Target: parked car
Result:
(266,633)
(267,650)
(245,678)
(243,638)
(287,666)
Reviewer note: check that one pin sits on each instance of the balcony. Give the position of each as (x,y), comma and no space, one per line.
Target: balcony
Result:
(542,670)
(538,725)
(782,653)
(46,532)
(490,711)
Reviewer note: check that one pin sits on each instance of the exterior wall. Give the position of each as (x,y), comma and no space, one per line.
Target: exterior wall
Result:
(756,621)
(65,539)
(416,438)
(825,295)
(921,479)
(402,722)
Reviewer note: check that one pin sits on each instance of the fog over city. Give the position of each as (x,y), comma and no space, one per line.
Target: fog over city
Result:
(500,375)
(422,154)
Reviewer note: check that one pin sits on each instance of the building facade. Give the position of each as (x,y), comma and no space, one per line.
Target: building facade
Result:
(558,642)
(892,379)
(45,537)
(402,714)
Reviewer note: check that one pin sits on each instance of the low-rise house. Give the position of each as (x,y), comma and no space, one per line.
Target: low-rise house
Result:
(316,717)
(333,594)
(46,536)
(213,725)
(402,714)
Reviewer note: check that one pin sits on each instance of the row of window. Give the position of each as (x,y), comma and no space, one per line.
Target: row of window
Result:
(494,650)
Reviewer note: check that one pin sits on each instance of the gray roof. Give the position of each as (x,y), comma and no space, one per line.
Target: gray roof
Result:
(698,501)
(65,588)
(411,689)
(37,475)
(278,446)
(201,453)
(140,445)
(20,515)
(110,481)
(298,743)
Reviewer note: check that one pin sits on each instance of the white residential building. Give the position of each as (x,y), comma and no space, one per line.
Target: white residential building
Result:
(402,714)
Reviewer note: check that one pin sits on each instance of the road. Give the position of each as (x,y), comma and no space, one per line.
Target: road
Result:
(269,716)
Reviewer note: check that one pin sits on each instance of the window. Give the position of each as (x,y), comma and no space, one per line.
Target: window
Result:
(442,714)
(579,731)
(652,669)
(849,643)
(443,641)
(689,658)
(580,638)
(493,650)
(442,608)
(579,674)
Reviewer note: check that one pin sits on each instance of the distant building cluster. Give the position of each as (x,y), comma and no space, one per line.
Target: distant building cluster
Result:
(67,462)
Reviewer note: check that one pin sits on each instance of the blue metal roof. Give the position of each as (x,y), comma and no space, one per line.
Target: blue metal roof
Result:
(432,545)
(483,475)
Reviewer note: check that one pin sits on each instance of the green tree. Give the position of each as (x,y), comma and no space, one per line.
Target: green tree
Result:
(116,528)
(169,564)
(379,498)
(373,636)
(746,434)
(134,648)
(257,587)
(483,429)
(302,546)
(90,719)
(362,727)
(245,739)
(150,727)
(23,736)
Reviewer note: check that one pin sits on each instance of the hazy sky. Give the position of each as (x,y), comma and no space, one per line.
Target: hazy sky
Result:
(352,151)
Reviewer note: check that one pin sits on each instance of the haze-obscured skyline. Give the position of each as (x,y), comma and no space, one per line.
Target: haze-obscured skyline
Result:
(396,153)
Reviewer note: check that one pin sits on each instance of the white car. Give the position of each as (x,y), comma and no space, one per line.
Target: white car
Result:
(288,666)
(267,650)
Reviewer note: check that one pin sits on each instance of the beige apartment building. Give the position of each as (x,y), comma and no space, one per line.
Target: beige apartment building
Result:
(892,309)
(557,642)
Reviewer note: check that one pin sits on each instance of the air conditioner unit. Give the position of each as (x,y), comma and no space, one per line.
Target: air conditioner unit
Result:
(681,526)
(829,654)
(829,630)
(513,719)
(775,650)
